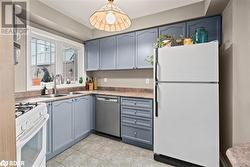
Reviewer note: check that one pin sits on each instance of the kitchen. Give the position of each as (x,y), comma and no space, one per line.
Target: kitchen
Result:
(123,83)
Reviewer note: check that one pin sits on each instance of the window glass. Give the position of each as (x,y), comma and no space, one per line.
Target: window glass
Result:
(42,61)
(70,65)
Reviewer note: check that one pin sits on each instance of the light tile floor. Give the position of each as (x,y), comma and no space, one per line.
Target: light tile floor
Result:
(98,151)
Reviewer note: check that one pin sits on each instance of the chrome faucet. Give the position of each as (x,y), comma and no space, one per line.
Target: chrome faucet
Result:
(60,81)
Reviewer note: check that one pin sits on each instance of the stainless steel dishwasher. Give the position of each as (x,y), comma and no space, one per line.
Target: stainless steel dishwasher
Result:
(107,118)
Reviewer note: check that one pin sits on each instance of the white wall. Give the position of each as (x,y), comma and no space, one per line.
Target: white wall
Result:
(166,17)
(241,71)
(235,75)
(46,16)
(226,80)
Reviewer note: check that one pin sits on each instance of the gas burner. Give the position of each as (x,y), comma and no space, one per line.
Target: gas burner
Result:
(22,108)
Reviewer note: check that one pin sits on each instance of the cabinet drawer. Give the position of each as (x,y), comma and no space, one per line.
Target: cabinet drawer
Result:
(144,103)
(137,121)
(147,113)
(142,135)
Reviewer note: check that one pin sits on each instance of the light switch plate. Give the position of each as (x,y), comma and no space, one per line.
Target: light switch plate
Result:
(105,80)
(147,81)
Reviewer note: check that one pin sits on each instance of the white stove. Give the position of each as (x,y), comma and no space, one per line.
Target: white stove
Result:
(31,120)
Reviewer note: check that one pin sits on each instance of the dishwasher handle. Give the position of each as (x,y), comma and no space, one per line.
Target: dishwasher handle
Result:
(107,99)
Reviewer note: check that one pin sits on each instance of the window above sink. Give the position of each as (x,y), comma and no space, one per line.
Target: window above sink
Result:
(48,55)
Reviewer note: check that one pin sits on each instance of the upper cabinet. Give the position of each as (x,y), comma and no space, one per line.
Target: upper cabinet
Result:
(132,50)
(126,51)
(175,30)
(145,41)
(92,55)
(107,53)
(211,24)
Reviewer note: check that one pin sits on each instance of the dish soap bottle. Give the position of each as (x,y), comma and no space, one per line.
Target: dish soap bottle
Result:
(46,91)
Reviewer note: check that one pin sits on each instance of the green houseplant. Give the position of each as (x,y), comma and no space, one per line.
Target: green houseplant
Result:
(162,41)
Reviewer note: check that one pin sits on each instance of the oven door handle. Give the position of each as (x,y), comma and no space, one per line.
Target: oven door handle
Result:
(25,137)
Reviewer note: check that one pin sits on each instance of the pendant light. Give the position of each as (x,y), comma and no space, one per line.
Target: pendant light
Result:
(110,18)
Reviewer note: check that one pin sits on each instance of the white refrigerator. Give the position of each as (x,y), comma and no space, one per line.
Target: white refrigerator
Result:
(186,121)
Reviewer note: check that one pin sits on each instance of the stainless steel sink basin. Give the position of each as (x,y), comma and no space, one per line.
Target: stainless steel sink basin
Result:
(75,93)
(54,95)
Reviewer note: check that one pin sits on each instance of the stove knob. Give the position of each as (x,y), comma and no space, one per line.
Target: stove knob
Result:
(41,113)
(23,127)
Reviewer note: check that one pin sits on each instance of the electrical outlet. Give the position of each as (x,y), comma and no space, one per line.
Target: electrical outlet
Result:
(105,80)
(147,81)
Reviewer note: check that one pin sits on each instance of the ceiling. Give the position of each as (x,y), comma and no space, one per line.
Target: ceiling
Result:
(81,10)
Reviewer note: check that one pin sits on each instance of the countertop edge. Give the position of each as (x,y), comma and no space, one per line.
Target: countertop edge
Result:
(120,94)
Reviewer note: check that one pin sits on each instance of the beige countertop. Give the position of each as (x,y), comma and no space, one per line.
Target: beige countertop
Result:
(84,93)
(239,156)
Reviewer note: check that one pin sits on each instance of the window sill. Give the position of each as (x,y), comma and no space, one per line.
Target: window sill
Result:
(51,85)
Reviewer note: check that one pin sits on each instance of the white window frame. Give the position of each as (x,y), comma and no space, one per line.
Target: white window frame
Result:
(60,44)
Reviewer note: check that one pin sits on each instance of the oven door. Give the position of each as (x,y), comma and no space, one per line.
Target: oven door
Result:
(31,146)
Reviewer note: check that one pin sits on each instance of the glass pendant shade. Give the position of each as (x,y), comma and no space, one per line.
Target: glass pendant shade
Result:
(110,18)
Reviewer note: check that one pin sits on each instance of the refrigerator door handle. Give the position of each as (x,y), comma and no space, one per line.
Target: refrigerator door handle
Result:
(156,65)
(156,100)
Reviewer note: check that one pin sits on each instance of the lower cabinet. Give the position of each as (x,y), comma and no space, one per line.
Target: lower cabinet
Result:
(137,122)
(69,122)
(82,116)
(62,124)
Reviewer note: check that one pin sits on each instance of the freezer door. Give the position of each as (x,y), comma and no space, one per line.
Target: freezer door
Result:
(193,63)
(187,126)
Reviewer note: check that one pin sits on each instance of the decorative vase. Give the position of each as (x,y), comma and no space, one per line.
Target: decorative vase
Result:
(201,35)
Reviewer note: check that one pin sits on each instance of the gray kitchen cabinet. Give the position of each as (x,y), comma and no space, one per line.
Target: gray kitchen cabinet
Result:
(126,51)
(108,53)
(82,116)
(92,112)
(62,124)
(175,30)
(49,130)
(69,121)
(211,24)
(145,40)
(137,122)
(92,55)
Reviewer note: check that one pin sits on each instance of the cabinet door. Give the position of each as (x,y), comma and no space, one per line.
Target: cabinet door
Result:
(107,53)
(144,41)
(62,123)
(175,30)
(126,51)
(49,138)
(82,116)
(92,112)
(211,24)
(92,55)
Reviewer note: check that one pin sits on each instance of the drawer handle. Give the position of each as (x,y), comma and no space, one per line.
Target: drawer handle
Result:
(134,103)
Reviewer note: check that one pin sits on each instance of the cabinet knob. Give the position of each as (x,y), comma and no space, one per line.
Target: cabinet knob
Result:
(135,133)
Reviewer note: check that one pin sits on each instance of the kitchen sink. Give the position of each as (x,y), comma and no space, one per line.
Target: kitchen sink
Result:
(75,93)
(54,95)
